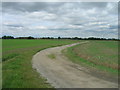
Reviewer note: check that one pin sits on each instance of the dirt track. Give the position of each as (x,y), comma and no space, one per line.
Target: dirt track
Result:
(62,73)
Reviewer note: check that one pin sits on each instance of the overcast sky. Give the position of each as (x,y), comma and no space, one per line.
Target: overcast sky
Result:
(49,19)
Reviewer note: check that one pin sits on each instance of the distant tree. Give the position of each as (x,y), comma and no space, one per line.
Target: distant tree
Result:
(91,38)
(59,37)
(48,37)
(30,37)
(7,37)
(75,38)
(25,37)
(4,37)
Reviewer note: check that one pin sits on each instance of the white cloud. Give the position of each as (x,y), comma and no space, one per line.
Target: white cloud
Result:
(37,27)
(60,19)
(41,15)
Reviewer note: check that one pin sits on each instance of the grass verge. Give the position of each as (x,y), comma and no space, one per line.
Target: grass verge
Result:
(87,55)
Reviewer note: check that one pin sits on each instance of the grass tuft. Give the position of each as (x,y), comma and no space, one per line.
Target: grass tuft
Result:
(52,56)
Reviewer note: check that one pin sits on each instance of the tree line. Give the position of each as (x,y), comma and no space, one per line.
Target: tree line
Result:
(72,38)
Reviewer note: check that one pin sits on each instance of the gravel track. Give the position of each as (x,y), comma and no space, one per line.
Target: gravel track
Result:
(62,73)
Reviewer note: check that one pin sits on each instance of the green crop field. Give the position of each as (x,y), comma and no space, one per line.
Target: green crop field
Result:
(17,65)
(102,55)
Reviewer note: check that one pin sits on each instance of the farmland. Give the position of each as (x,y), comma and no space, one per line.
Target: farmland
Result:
(17,59)
(101,55)
(17,66)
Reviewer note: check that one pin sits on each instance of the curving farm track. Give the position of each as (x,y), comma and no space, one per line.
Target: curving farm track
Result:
(62,73)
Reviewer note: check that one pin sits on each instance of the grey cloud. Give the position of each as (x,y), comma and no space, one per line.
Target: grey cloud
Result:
(78,24)
(22,6)
(102,32)
(14,25)
(113,27)
(28,6)
(50,6)
(90,5)
(75,19)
